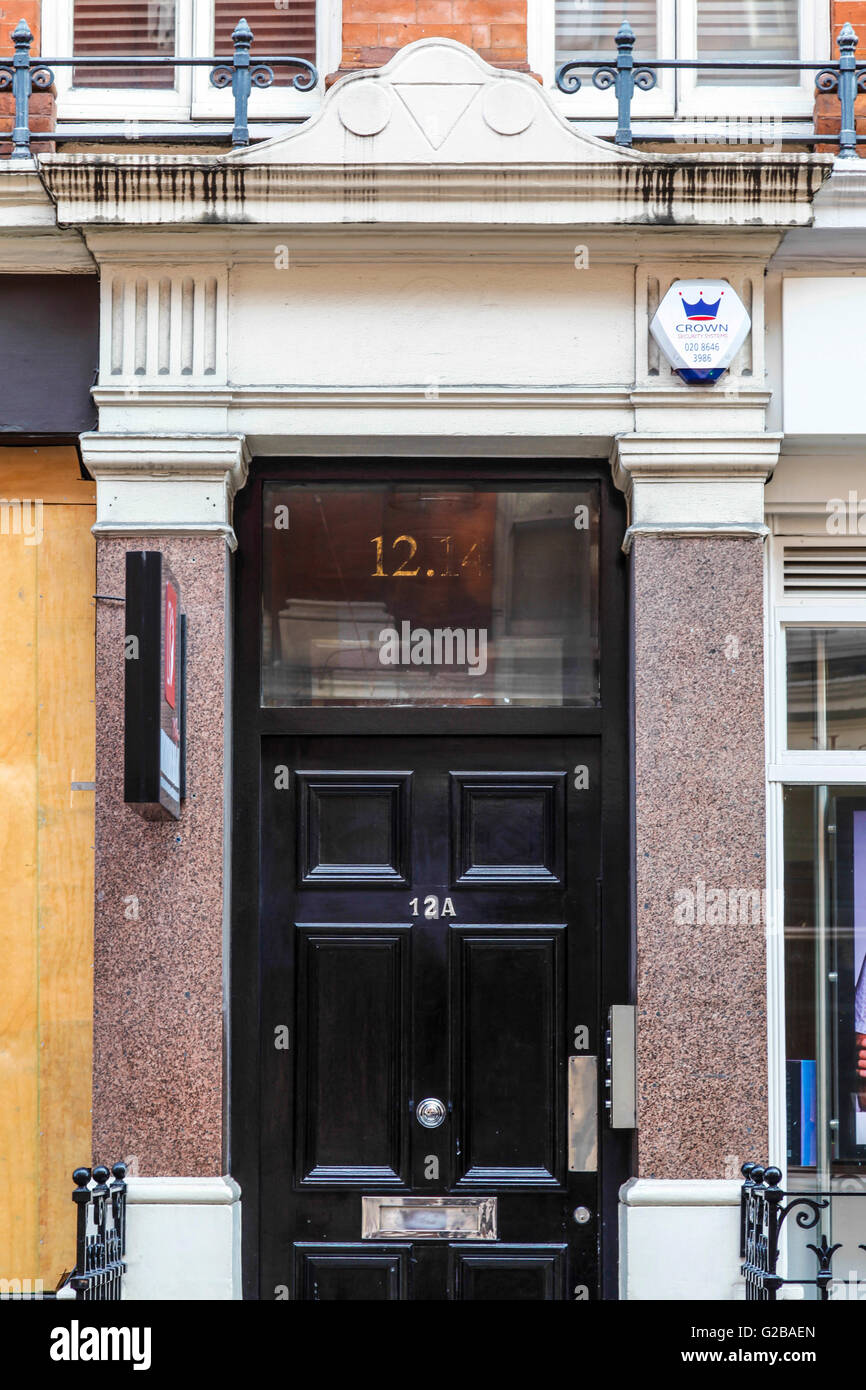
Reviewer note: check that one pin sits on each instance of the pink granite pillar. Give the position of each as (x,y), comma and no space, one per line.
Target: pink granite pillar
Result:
(699,815)
(158,972)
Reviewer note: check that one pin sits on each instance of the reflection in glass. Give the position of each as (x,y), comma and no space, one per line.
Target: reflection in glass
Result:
(825,974)
(825,1011)
(826,688)
(429,595)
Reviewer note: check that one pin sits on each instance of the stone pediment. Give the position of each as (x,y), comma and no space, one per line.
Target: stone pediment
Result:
(435,102)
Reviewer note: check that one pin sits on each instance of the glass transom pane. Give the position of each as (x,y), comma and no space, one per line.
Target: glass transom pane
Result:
(430,595)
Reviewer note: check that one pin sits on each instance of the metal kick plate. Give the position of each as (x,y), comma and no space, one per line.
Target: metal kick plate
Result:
(429,1218)
(582,1114)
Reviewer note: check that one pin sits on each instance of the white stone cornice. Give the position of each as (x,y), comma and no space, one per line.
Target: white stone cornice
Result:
(717,251)
(437,137)
(721,396)
(696,482)
(695,456)
(365,397)
(688,190)
(219,1192)
(31,243)
(681,1192)
(165,484)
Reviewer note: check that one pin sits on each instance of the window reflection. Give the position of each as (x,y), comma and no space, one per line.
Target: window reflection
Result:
(825,975)
(429,595)
(825,993)
(826,688)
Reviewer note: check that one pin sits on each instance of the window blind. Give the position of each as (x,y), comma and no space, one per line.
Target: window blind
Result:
(731,30)
(587,28)
(278,30)
(737,30)
(145,28)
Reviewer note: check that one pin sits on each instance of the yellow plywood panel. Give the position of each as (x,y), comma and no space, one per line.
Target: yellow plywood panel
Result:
(50,474)
(47,574)
(65,694)
(19,1154)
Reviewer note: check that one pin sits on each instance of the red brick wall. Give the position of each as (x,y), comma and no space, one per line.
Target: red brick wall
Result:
(374,30)
(42,104)
(10,13)
(827,107)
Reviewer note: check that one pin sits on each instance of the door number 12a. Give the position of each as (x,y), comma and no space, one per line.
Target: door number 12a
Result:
(431,907)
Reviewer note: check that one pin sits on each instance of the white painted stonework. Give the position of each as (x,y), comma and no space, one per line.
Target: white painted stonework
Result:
(680,1240)
(182,1239)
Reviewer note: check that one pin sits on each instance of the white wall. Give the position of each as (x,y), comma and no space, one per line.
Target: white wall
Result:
(822,344)
(680,1240)
(391,324)
(183,1239)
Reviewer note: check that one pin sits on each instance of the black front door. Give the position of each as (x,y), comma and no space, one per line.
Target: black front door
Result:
(429,943)
(423,954)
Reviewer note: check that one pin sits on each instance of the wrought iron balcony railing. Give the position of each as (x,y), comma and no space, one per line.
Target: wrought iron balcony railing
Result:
(842,78)
(25,73)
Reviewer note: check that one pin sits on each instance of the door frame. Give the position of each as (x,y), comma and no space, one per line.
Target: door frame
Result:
(250,721)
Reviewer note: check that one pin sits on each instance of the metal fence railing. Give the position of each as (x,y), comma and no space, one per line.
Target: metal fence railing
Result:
(824,1257)
(25,73)
(842,78)
(100,1248)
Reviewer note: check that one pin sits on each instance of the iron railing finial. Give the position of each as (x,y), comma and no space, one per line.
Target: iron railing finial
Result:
(22,39)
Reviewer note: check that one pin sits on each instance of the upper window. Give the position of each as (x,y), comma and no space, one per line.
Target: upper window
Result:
(727,30)
(163,29)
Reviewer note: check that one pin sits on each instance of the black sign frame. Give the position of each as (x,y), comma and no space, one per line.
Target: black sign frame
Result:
(153,781)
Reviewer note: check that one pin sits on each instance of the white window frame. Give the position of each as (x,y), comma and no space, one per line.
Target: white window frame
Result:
(678,94)
(788,767)
(192,96)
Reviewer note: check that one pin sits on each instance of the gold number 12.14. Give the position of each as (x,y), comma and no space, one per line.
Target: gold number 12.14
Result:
(471,559)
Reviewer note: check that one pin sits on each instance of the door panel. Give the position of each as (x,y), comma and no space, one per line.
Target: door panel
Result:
(511,1272)
(428,932)
(351,1273)
(507,1009)
(353,829)
(352,1015)
(508,828)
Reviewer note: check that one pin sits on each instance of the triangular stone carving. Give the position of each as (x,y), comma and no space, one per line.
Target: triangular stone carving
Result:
(436,107)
